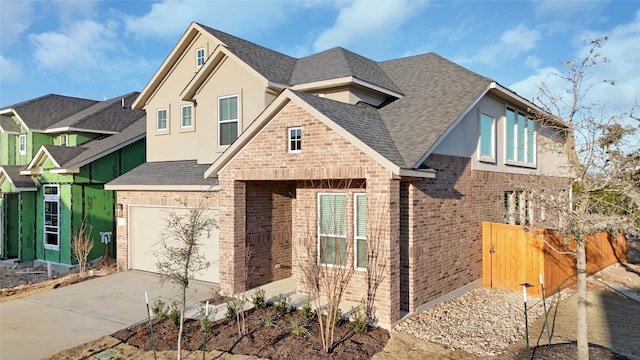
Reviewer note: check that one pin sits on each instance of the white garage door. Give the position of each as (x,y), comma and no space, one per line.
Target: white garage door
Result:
(146,224)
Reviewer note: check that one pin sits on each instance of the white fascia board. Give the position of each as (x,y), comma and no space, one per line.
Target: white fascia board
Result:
(377,88)
(72,129)
(107,152)
(10,110)
(323,84)
(64,171)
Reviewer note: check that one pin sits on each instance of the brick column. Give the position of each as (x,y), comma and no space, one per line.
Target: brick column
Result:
(232,225)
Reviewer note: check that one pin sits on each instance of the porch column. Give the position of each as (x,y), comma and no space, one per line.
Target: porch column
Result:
(232,226)
(384,193)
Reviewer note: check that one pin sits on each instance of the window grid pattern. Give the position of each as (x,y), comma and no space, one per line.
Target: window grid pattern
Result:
(187,116)
(228,119)
(295,140)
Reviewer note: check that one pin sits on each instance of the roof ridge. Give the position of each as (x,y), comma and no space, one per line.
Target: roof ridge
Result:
(110,102)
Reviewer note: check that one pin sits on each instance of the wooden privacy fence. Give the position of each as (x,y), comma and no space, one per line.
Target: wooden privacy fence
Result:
(512,256)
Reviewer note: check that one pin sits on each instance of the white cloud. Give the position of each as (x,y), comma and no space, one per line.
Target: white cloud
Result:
(366,21)
(172,17)
(622,68)
(512,43)
(74,10)
(10,70)
(533,61)
(15,18)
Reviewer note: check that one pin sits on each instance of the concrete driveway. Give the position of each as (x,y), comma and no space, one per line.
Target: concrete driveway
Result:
(46,323)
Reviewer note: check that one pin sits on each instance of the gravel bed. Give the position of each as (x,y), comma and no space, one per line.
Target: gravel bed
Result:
(483,321)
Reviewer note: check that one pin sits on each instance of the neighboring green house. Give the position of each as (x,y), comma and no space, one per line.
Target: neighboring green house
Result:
(57,153)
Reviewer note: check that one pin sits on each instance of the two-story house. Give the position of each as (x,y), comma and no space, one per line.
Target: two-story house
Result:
(408,155)
(57,154)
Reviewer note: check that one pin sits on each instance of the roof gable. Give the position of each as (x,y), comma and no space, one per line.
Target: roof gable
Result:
(19,182)
(7,125)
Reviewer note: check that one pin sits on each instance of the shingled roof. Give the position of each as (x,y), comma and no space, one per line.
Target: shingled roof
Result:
(104,116)
(274,66)
(42,112)
(361,120)
(336,63)
(21,182)
(166,173)
(62,154)
(437,91)
(7,124)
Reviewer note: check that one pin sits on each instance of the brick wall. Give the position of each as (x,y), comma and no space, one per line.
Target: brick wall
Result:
(324,155)
(269,209)
(445,235)
(154,198)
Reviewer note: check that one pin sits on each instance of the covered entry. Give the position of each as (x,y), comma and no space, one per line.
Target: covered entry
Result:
(147,223)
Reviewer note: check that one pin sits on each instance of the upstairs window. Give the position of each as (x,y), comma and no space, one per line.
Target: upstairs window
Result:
(161,119)
(187,116)
(295,140)
(200,58)
(227,119)
(64,140)
(520,138)
(22,144)
(487,138)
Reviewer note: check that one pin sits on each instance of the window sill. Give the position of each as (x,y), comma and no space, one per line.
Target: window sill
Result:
(52,247)
(187,129)
(162,132)
(520,164)
(488,160)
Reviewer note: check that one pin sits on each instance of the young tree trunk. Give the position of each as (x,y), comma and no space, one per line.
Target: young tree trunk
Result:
(581,329)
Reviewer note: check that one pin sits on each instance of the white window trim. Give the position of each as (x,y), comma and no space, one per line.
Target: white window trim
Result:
(166,128)
(22,144)
(290,140)
(237,120)
(318,261)
(515,144)
(204,57)
(56,199)
(481,157)
(182,126)
(355,232)
(66,140)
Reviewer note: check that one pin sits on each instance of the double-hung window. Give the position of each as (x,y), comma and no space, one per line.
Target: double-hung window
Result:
(200,57)
(295,140)
(360,230)
(161,119)
(228,119)
(520,138)
(487,138)
(64,141)
(51,217)
(187,116)
(22,144)
(332,229)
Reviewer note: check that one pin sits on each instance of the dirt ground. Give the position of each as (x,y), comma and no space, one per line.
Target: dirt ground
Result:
(23,279)
(613,324)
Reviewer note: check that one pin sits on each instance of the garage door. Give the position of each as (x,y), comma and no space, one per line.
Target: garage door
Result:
(146,224)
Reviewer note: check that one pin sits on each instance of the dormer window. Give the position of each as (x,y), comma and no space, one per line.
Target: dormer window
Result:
(200,58)
(22,144)
(63,140)
(295,139)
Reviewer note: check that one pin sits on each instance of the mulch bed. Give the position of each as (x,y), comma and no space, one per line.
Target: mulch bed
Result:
(568,351)
(275,342)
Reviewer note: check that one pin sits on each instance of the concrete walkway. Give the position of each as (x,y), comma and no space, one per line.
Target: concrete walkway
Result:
(46,323)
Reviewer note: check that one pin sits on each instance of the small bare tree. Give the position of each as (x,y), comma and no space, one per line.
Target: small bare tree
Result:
(81,245)
(376,264)
(181,255)
(603,160)
(327,256)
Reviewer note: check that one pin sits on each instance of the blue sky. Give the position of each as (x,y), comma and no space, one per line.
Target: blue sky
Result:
(102,49)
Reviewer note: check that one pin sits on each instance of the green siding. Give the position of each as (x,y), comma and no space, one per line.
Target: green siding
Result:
(11,205)
(132,156)
(8,148)
(28,210)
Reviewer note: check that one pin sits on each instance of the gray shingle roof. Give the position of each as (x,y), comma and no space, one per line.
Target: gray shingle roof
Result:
(62,154)
(19,181)
(336,63)
(40,113)
(186,172)
(271,64)
(7,124)
(108,115)
(436,92)
(103,147)
(362,121)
